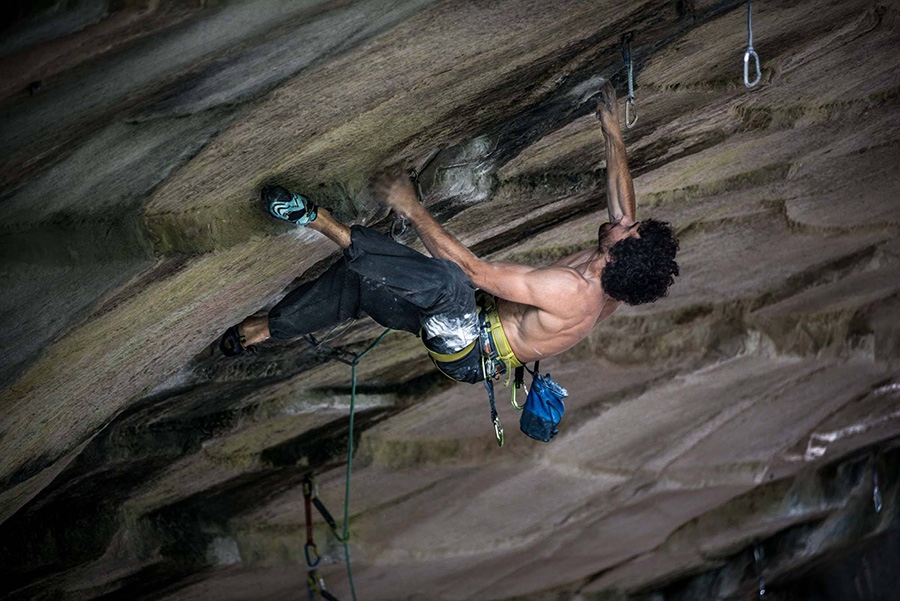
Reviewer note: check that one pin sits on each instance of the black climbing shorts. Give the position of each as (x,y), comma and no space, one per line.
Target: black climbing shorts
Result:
(396,286)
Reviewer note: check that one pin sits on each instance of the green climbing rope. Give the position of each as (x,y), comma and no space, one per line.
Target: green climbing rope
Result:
(345,539)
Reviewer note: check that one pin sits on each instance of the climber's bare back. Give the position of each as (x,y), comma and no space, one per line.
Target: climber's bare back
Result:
(574,306)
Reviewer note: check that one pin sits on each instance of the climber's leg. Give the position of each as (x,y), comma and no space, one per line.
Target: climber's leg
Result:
(442,295)
(336,231)
(337,295)
(398,287)
(254,330)
(295,208)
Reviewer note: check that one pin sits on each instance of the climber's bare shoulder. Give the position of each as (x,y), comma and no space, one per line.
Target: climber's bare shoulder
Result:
(570,306)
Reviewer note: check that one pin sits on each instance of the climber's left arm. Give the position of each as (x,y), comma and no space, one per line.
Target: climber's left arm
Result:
(547,288)
(619,186)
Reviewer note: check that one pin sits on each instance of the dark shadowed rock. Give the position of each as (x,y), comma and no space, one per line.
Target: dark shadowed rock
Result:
(728,436)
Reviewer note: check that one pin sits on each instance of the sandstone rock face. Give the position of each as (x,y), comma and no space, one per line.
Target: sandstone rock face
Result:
(740,433)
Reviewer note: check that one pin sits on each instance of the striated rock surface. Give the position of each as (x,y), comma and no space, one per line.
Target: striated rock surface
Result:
(740,433)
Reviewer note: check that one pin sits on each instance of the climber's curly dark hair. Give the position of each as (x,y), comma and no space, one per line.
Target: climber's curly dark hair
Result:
(640,270)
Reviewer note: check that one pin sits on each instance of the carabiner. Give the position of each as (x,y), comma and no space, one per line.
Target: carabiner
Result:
(401,221)
(311,588)
(750,52)
(315,553)
(512,399)
(629,111)
(498,431)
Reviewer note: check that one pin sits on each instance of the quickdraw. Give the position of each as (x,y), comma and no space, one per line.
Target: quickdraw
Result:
(750,52)
(492,364)
(491,368)
(495,417)
(315,584)
(309,549)
(400,224)
(629,64)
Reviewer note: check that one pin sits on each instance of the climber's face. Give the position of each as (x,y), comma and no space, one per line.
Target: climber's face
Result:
(613,232)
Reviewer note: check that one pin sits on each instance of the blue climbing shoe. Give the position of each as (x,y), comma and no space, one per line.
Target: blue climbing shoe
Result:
(288,206)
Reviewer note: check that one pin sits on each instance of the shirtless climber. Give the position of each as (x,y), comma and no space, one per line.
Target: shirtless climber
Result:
(531,313)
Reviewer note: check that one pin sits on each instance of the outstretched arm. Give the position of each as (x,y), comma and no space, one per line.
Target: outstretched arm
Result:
(619,187)
(546,288)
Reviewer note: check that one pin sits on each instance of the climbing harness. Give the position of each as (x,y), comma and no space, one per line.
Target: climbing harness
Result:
(758,557)
(543,408)
(750,52)
(310,499)
(315,584)
(497,356)
(400,223)
(629,64)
